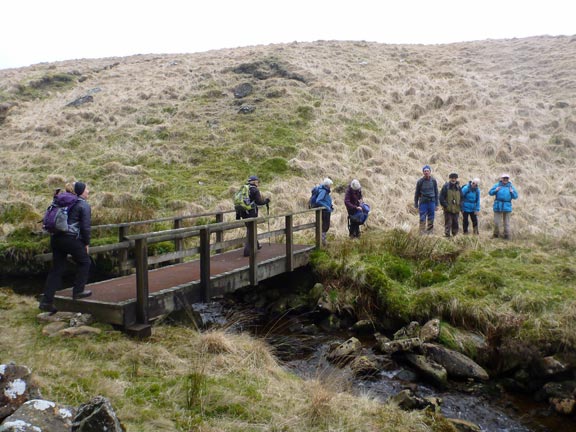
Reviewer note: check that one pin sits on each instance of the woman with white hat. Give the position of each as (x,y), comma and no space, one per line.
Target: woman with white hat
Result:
(504,193)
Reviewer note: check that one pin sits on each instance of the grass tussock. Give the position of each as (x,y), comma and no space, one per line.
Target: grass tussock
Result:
(166,132)
(182,380)
(504,289)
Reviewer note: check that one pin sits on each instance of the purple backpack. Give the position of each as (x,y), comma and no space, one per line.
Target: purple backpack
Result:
(56,216)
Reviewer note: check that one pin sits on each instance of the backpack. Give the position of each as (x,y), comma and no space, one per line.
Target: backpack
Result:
(361,215)
(242,199)
(56,217)
(314,196)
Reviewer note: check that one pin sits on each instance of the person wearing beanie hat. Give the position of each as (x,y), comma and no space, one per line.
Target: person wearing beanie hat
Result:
(75,242)
(471,205)
(426,200)
(503,193)
(256,199)
(321,198)
(79,188)
(450,197)
(353,201)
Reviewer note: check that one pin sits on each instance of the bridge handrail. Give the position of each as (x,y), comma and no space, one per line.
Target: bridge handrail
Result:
(164,219)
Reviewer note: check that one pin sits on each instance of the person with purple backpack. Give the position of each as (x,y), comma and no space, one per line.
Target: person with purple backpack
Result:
(74,241)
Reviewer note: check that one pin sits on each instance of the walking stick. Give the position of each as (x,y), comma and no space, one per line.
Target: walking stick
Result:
(268,217)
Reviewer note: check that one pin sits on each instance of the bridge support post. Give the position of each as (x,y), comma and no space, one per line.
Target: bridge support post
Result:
(318,229)
(252,230)
(205,263)
(142,328)
(289,227)
(219,234)
(178,242)
(123,253)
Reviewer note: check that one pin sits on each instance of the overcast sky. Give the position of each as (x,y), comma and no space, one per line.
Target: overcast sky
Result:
(37,31)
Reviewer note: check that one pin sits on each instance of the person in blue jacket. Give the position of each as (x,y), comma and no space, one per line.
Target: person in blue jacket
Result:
(504,193)
(324,199)
(470,205)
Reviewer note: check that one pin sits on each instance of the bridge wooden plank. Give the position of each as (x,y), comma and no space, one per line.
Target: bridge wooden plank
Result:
(122,290)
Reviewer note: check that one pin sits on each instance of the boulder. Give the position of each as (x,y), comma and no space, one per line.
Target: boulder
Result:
(411,331)
(429,369)
(430,331)
(345,352)
(53,328)
(397,346)
(456,364)
(243,90)
(464,426)
(97,415)
(547,367)
(407,401)
(39,415)
(364,367)
(15,388)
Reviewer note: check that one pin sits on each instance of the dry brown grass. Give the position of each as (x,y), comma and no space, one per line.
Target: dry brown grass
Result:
(478,108)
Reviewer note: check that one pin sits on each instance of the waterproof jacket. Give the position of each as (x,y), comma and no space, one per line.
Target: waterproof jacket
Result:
(426,191)
(504,197)
(352,200)
(80,221)
(324,199)
(470,198)
(450,197)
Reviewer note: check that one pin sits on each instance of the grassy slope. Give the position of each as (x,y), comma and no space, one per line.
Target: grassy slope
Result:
(164,133)
(181,380)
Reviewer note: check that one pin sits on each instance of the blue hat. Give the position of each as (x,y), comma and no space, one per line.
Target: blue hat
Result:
(253,178)
(426,167)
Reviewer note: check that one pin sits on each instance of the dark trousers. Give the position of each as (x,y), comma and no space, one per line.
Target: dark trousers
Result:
(451,223)
(465,222)
(62,246)
(353,228)
(325,220)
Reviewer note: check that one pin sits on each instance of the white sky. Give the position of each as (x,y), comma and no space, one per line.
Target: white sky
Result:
(37,31)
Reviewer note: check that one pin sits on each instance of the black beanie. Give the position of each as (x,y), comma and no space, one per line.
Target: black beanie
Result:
(79,188)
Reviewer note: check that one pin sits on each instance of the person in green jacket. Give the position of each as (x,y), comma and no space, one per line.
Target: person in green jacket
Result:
(450,202)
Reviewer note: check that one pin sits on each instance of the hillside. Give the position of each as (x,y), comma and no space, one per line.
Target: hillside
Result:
(160,134)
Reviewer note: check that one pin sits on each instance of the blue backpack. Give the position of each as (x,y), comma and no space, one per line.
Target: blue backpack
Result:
(314,197)
(361,215)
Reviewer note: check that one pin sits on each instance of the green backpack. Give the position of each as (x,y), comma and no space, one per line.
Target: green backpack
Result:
(242,199)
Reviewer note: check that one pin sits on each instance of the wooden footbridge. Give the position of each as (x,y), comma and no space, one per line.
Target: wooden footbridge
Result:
(205,261)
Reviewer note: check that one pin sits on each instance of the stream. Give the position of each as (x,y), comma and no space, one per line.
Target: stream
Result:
(301,346)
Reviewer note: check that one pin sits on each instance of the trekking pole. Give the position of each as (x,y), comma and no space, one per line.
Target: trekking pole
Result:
(268,217)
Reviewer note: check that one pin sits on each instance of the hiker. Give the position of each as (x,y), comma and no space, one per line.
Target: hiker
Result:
(255,200)
(426,200)
(324,199)
(504,193)
(353,203)
(471,205)
(75,242)
(450,196)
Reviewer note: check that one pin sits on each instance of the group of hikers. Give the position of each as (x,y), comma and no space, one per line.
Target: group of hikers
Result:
(455,199)
(74,238)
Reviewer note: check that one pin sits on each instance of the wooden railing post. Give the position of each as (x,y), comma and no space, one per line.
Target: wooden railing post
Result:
(205,263)
(141,256)
(123,253)
(289,243)
(178,242)
(318,229)
(252,245)
(219,234)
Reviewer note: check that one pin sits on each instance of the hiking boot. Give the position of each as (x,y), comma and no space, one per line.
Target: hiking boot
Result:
(465,232)
(495,235)
(47,307)
(83,294)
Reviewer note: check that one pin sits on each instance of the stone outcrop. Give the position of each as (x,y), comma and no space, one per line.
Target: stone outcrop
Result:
(457,365)
(39,415)
(15,388)
(97,415)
